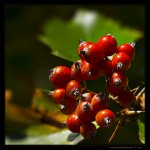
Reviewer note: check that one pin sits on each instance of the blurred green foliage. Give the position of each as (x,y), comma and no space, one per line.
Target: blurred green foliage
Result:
(85,25)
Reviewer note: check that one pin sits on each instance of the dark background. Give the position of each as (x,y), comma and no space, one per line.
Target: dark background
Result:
(27,60)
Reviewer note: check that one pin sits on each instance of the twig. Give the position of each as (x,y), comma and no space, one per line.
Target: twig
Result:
(133,112)
(115,100)
(135,90)
(140,93)
(116,129)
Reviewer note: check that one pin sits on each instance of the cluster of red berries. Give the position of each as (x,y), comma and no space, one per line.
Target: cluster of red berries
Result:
(83,106)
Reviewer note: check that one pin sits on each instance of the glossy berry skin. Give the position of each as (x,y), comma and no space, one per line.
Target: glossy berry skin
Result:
(118,80)
(99,102)
(73,89)
(126,98)
(114,90)
(105,67)
(90,71)
(76,70)
(73,123)
(58,95)
(87,97)
(128,49)
(68,105)
(121,61)
(82,45)
(108,44)
(60,76)
(85,113)
(88,130)
(90,52)
(105,118)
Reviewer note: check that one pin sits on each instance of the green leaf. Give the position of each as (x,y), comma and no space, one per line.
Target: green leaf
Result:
(63,37)
(141,125)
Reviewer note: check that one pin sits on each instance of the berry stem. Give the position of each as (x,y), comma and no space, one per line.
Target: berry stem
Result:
(120,123)
(115,131)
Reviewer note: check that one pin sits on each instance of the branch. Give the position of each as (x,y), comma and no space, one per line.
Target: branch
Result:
(135,90)
(140,93)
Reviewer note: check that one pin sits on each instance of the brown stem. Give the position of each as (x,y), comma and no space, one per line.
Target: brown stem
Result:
(134,112)
(135,90)
(116,129)
(140,93)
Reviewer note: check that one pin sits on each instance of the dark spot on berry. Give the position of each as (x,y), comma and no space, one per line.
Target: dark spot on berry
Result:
(62,107)
(80,42)
(86,106)
(51,73)
(74,92)
(83,52)
(117,82)
(77,65)
(120,65)
(132,44)
(101,96)
(89,73)
(107,121)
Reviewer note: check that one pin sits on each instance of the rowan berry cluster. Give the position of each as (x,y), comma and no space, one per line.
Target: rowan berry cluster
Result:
(82,105)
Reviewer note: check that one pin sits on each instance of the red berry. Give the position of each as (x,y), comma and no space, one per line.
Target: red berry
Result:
(73,123)
(90,52)
(76,70)
(105,67)
(105,118)
(99,102)
(60,76)
(126,98)
(58,95)
(113,90)
(121,61)
(118,80)
(84,112)
(87,97)
(90,71)
(108,44)
(128,49)
(88,130)
(73,89)
(68,105)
